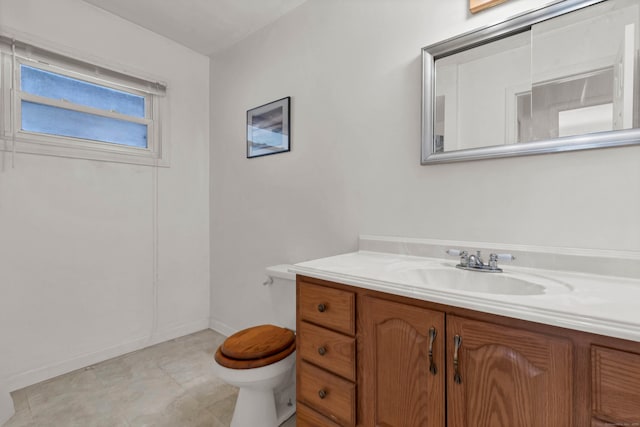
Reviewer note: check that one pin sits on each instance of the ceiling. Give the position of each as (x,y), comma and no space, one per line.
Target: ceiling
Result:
(206,26)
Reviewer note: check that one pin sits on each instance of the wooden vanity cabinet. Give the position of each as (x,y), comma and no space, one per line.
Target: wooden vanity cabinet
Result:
(402,362)
(326,355)
(307,417)
(615,390)
(502,376)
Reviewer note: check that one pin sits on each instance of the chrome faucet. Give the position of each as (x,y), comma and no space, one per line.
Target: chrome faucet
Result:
(475,262)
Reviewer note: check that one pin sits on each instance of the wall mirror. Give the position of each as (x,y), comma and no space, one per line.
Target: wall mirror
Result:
(560,78)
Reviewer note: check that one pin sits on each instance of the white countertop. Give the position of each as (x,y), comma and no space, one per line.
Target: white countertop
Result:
(605,305)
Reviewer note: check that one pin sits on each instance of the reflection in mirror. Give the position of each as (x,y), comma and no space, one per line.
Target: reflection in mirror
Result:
(578,70)
(476,88)
(516,87)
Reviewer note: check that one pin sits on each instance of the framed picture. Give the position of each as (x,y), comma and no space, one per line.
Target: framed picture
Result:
(268,128)
(478,5)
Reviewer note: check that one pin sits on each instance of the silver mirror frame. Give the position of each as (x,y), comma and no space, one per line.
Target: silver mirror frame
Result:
(511,26)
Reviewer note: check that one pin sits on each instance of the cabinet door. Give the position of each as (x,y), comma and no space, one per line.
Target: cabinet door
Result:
(507,377)
(615,389)
(401,385)
(306,417)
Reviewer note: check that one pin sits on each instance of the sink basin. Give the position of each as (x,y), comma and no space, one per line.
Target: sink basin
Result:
(480,282)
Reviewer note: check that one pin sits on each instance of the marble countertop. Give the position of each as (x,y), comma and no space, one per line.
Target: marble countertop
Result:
(606,305)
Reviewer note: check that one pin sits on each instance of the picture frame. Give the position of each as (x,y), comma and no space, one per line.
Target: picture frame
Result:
(476,6)
(268,128)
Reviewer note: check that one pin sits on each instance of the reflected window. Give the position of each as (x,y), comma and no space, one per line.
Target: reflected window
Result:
(571,75)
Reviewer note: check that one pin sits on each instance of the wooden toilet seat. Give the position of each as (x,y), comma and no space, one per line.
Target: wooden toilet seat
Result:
(256,347)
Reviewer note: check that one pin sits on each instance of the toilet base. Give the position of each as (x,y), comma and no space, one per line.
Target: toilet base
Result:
(253,408)
(266,396)
(260,408)
(287,413)
(286,400)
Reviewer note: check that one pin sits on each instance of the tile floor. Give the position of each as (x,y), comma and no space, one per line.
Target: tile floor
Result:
(167,385)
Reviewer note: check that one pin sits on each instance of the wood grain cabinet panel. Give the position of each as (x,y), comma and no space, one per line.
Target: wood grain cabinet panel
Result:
(307,417)
(328,307)
(329,350)
(398,388)
(381,371)
(326,358)
(507,377)
(599,423)
(615,386)
(328,394)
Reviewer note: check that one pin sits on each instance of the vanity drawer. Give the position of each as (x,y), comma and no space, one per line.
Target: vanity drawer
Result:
(329,307)
(328,394)
(615,385)
(327,349)
(306,417)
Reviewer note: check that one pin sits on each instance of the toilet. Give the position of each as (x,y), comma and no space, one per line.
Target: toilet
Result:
(260,360)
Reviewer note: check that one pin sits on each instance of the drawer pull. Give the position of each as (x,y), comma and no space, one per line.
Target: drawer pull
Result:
(322,308)
(322,351)
(322,394)
(457,342)
(432,337)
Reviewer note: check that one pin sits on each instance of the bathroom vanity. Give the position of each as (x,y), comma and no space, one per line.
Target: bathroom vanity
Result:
(379,345)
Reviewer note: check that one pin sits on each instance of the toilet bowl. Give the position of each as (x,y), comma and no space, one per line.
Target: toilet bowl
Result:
(260,361)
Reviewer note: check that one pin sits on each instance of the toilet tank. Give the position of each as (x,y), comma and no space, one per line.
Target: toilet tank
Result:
(282,292)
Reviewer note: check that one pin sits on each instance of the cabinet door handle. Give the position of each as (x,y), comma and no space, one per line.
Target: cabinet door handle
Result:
(432,337)
(457,342)
(322,351)
(322,394)
(322,308)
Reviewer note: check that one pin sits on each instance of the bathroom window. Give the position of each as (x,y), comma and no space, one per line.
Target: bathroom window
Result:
(57,105)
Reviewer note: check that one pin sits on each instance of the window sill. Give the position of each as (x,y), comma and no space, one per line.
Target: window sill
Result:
(87,150)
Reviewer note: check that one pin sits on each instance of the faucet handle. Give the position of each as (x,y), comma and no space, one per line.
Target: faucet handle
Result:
(504,257)
(457,252)
(494,258)
(464,256)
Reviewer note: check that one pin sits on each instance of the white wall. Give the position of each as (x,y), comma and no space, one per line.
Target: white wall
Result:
(76,252)
(353,71)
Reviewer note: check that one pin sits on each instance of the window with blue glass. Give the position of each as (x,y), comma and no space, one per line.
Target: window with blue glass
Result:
(54,104)
(64,106)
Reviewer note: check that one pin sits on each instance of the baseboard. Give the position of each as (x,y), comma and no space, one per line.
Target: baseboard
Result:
(24,379)
(179,331)
(6,405)
(221,327)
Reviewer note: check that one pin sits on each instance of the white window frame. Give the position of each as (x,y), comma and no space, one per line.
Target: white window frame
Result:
(156,152)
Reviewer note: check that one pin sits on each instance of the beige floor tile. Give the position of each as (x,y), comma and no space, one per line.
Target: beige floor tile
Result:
(223,409)
(86,411)
(60,391)
(79,419)
(21,419)
(141,359)
(181,411)
(171,384)
(149,396)
(116,372)
(126,373)
(192,369)
(211,392)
